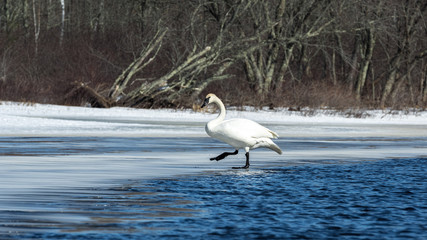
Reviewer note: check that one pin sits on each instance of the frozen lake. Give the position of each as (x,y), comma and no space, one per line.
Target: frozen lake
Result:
(71,175)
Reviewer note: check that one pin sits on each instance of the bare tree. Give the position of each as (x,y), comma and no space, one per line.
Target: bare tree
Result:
(61,37)
(188,74)
(412,12)
(37,22)
(366,41)
(295,23)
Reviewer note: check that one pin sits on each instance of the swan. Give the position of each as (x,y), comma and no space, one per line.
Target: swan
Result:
(237,132)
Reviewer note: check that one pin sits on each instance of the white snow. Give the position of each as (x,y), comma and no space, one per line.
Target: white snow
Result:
(19,119)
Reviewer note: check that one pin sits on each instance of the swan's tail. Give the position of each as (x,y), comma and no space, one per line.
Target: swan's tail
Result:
(275,148)
(267,143)
(274,134)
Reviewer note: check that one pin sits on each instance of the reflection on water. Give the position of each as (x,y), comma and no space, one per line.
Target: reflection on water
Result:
(108,189)
(77,211)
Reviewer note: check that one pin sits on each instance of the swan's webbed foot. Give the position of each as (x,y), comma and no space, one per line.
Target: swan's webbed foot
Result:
(247,162)
(223,155)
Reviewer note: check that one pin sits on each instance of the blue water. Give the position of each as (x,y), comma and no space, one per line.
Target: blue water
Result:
(322,199)
(373,200)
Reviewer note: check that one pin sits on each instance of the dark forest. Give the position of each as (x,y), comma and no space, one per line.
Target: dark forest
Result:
(163,53)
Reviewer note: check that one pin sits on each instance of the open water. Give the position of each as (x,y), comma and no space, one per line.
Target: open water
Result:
(166,188)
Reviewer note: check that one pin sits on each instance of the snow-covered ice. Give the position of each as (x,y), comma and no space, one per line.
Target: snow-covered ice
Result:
(53,120)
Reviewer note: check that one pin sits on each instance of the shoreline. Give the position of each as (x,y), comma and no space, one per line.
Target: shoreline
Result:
(40,120)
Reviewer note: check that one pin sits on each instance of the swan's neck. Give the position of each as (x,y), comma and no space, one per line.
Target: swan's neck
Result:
(221,115)
(210,127)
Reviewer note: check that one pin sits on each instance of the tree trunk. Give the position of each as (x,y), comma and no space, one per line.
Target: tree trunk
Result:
(424,93)
(36,18)
(354,62)
(391,79)
(61,34)
(285,65)
(367,56)
(333,68)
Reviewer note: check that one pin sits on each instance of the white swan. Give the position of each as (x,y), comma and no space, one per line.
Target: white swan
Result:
(239,133)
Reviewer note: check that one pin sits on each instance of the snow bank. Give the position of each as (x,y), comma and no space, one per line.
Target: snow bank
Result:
(44,120)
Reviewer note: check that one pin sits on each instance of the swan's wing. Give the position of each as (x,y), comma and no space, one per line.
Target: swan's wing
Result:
(244,128)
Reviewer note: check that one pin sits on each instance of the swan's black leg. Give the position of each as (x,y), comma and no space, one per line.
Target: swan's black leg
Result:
(247,162)
(223,155)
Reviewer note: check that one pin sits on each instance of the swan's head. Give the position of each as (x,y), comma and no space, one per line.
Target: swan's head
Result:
(209,99)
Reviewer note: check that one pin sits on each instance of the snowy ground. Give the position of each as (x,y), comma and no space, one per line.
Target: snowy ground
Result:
(51,120)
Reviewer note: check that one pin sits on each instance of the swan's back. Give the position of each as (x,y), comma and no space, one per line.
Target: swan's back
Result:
(240,132)
(245,127)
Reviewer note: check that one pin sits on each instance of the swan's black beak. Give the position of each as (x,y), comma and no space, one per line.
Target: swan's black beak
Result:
(205,103)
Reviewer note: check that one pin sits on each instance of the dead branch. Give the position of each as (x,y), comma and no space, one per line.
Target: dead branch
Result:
(122,81)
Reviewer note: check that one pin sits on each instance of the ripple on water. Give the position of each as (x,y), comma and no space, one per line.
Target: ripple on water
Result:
(359,200)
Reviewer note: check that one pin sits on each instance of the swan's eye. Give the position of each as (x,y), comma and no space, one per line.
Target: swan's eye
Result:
(206,102)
